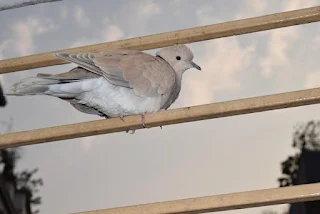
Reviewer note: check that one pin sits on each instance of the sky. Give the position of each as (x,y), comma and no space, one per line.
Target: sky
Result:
(217,156)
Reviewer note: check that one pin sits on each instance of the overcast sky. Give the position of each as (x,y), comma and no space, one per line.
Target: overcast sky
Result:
(217,156)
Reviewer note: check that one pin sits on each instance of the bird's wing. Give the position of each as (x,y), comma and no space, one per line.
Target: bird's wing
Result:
(146,75)
(84,108)
(73,75)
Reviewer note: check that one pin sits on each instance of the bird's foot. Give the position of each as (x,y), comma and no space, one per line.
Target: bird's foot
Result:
(161,111)
(121,117)
(131,131)
(143,120)
(128,131)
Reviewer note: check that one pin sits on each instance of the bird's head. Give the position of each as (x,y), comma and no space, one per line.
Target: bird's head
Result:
(179,57)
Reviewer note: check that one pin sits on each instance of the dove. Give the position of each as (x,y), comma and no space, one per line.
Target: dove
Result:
(115,83)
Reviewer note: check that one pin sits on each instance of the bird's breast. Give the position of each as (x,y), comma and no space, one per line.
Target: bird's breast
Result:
(114,100)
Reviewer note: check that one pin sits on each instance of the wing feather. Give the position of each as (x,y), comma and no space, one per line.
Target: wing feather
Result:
(145,74)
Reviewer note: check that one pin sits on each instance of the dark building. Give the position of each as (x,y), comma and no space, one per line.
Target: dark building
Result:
(308,173)
(2,99)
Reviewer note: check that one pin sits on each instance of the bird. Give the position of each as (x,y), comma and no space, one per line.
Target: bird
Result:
(115,83)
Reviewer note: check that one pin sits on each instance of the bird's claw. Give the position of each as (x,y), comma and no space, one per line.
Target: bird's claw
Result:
(121,118)
(143,120)
(131,131)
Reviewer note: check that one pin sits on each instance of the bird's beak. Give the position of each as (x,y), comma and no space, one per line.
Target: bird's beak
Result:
(194,65)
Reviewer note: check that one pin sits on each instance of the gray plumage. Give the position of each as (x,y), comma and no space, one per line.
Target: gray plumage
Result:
(115,83)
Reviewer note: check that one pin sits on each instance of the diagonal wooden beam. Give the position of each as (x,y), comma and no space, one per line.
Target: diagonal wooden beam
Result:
(241,200)
(262,23)
(23,4)
(175,116)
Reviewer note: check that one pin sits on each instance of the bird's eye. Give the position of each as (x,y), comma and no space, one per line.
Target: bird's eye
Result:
(178,57)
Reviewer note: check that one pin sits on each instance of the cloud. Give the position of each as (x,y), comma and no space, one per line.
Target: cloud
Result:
(64,13)
(113,33)
(258,5)
(176,2)
(80,16)
(221,60)
(23,33)
(312,80)
(298,4)
(142,13)
(85,41)
(252,8)
(222,63)
(280,41)
(106,20)
(3,46)
(278,46)
(204,15)
(149,8)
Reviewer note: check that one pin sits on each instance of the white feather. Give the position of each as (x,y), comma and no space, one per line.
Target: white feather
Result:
(107,98)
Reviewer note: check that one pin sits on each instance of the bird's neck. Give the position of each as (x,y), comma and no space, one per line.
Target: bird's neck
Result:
(178,80)
(177,86)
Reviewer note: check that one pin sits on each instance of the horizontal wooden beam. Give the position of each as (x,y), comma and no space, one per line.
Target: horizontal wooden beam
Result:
(190,35)
(174,116)
(258,198)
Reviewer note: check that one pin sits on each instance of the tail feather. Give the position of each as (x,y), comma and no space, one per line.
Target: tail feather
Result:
(31,86)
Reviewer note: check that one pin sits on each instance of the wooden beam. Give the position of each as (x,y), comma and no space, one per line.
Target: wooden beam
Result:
(24,3)
(258,198)
(174,116)
(262,23)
